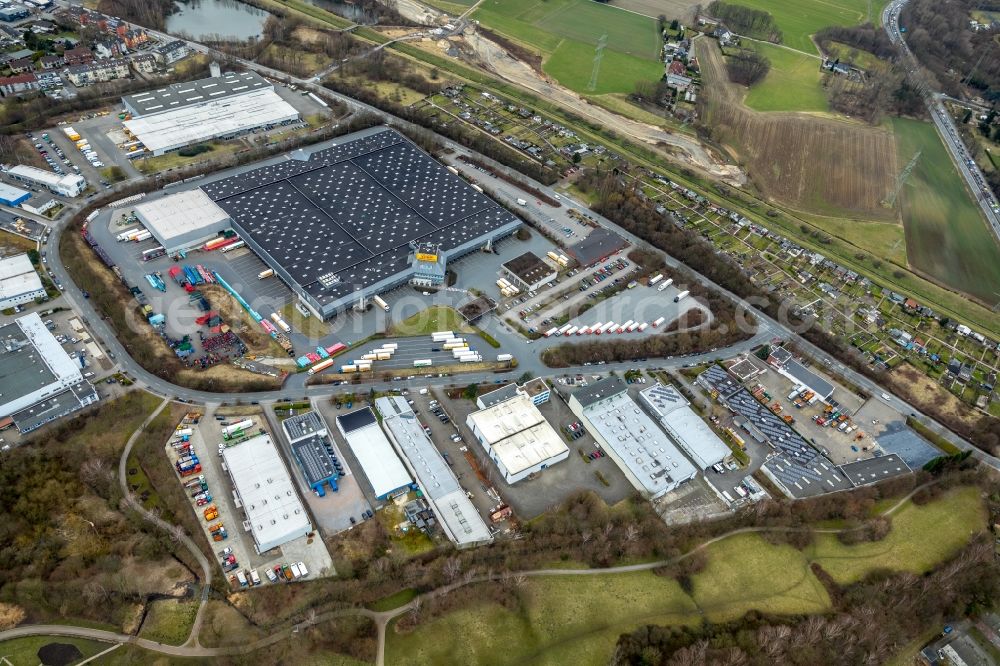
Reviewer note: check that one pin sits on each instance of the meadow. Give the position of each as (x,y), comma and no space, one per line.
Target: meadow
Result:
(800,19)
(566,34)
(946,235)
(792,84)
(564,620)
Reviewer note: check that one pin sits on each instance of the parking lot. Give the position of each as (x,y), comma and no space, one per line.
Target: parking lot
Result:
(205,439)
(838,445)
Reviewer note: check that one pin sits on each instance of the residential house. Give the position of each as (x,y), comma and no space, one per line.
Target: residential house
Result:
(144,63)
(44,27)
(51,62)
(910,304)
(10,36)
(98,72)
(15,55)
(134,38)
(677,67)
(15,85)
(21,65)
(170,53)
(80,55)
(107,48)
(680,83)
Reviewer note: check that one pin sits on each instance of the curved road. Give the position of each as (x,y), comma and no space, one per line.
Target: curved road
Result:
(175,531)
(382,618)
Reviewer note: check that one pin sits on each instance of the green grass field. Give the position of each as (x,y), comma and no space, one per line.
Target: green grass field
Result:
(571,65)
(434,318)
(946,235)
(576,620)
(951,520)
(169,621)
(792,84)
(568,31)
(799,19)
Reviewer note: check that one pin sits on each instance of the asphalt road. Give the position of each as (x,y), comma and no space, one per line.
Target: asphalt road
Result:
(767,328)
(945,125)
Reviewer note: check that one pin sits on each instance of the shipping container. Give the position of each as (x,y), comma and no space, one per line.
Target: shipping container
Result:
(441,336)
(504,357)
(453,345)
(423,363)
(470,359)
(383,356)
(656,278)
(335,349)
(235,246)
(390,345)
(349,368)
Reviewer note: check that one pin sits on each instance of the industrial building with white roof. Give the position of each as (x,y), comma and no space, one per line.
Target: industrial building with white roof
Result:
(69,185)
(274,512)
(650,461)
(182,220)
(224,106)
(456,514)
(382,467)
(19,282)
(517,437)
(346,219)
(39,382)
(685,428)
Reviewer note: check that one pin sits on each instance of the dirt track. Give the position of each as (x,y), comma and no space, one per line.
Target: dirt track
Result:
(678,147)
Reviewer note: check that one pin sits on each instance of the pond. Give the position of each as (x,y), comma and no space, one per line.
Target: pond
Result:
(217,19)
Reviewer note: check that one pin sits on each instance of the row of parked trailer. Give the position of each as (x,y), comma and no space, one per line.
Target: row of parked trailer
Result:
(507,289)
(600,328)
(364,363)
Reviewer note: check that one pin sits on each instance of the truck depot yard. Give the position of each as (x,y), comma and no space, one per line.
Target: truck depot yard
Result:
(244,498)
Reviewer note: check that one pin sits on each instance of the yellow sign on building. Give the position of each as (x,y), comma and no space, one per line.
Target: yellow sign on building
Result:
(423,256)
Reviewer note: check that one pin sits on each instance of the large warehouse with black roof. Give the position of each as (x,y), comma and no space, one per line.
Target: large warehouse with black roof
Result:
(341,222)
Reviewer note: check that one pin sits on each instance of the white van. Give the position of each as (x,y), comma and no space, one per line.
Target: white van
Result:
(303,570)
(254,578)
(295,571)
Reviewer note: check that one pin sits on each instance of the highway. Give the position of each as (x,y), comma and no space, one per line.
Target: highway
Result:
(970,171)
(768,328)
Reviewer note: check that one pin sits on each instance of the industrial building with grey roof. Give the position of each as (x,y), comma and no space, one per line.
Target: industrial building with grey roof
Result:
(340,221)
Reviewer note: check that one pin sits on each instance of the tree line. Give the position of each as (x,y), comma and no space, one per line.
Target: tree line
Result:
(746,21)
(747,66)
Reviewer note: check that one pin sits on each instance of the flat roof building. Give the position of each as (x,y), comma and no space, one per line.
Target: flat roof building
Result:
(192,93)
(274,512)
(182,220)
(456,514)
(517,437)
(379,461)
(800,374)
(313,451)
(684,427)
(39,382)
(69,185)
(13,196)
(873,470)
(645,454)
(599,244)
(19,282)
(528,272)
(213,119)
(338,222)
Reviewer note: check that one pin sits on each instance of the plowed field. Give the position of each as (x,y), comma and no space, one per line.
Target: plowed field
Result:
(810,163)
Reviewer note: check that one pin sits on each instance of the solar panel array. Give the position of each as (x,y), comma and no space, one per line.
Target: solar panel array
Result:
(318,460)
(800,467)
(720,381)
(345,217)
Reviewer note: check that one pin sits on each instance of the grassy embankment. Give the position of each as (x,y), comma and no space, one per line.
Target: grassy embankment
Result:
(563,620)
